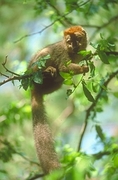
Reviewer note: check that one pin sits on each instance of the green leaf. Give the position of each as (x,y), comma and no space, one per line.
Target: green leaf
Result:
(65,75)
(85,53)
(42,61)
(100,132)
(69,92)
(67,63)
(87,93)
(103,57)
(95,87)
(37,77)
(115,160)
(115,94)
(92,68)
(25,83)
(68,81)
(99,109)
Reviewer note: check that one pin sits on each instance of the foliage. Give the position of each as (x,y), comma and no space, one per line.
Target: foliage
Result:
(93,96)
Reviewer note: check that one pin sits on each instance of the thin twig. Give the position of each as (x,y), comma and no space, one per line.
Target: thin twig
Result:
(10,147)
(58,13)
(7,70)
(66,20)
(100,154)
(36,176)
(27,159)
(12,78)
(2,74)
(39,32)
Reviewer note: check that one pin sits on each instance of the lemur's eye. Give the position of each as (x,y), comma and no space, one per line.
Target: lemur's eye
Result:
(79,38)
(68,41)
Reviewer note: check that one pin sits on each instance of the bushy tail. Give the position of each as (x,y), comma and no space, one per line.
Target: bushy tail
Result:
(42,134)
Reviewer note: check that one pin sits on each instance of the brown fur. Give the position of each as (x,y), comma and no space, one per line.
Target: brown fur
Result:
(60,53)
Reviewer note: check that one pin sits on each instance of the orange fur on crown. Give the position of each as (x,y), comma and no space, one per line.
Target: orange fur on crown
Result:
(74,29)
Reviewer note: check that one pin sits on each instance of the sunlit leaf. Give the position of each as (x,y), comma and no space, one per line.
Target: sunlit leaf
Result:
(65,75)
(115,160)
(116,94)
(68,81)
(92,68)
(67,63)
(94,87)
(85,53)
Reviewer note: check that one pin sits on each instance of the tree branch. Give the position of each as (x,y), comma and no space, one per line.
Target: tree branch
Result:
(36,176)
(14,76)
(66,20)
(99,155)
(90,109)
(19,77)
(7,70)
(58,19)
(58,13)
(115,18)
(46,27)
(12,149)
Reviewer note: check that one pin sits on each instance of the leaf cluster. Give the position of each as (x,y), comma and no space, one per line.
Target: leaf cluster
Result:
(34,76)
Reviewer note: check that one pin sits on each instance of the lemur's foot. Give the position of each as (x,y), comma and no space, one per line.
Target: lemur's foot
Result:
(50,71)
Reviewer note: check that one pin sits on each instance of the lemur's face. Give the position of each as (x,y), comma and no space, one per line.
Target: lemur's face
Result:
(75,39)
